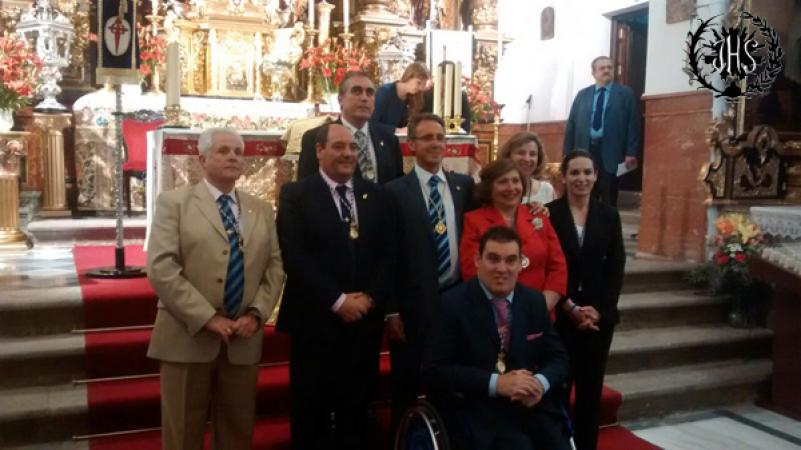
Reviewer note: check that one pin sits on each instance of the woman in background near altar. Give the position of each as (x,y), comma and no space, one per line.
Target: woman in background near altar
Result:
(396,102)
(525,149)
(501,188)
(591,237)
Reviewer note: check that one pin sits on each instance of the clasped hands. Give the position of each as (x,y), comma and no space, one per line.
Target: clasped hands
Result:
(584,317)
(244,326)
(520,386)
(355,307)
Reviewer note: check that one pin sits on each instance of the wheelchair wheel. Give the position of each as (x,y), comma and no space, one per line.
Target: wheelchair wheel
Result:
(422,428)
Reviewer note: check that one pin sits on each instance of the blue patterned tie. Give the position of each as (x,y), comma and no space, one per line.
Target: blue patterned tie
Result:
(344,203)
(597,118)
(235,280)
(436,214)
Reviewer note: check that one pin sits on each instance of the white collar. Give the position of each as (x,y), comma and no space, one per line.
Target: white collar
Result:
(364,129)
(216,193)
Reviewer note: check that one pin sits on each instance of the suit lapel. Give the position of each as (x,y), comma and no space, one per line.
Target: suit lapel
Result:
(519,327)
(484,314)
(378,147)
(457,194)
(321,192)
(208,207)
(250,217)
(572,237)
(590,228)
(415,198)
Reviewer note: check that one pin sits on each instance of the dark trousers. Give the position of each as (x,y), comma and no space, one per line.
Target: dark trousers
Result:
(606,186)
(588,354)
(405,362)
(332,381)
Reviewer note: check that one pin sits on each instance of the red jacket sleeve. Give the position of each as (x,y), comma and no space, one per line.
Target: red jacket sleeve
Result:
(468,248)
(556,267)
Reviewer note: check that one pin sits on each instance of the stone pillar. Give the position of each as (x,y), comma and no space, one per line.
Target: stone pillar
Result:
(12,149)
(54,201)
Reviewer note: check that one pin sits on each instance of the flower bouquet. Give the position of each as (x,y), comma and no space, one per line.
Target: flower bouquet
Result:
(20,70)
(152,52)
(483,108)
(331,60)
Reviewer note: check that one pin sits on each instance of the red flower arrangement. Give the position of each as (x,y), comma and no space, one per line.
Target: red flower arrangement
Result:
(19,69)
(483,108)
(152,51)
(332,60)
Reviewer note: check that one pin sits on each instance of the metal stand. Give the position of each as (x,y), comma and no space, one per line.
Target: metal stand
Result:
(119,270)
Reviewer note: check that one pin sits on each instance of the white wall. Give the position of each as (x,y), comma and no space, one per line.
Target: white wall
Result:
(666,46)
(551,71)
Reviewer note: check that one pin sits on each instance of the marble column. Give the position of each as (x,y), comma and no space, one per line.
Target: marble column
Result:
(54,195)
(12,148)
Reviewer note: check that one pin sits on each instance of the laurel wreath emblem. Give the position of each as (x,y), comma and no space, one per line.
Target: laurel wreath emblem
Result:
(760,84)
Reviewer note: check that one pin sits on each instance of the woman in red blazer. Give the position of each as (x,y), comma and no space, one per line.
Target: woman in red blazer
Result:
(500,192)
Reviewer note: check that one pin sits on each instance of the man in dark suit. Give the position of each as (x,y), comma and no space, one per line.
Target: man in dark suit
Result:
(337,231)
(605,121)
(430,204)
(493,359)
(379,157)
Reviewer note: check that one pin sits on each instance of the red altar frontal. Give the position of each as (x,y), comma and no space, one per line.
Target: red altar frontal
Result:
(172,161)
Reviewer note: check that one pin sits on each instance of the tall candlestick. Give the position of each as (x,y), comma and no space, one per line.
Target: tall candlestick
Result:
(310,13)
(457,92)
(448,89)
(173,73)
(438,91)
(346,14)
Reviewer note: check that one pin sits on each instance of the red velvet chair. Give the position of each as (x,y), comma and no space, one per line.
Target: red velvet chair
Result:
(134,133)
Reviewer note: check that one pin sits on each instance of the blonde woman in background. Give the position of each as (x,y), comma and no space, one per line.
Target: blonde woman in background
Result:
(396,102)
(526,151)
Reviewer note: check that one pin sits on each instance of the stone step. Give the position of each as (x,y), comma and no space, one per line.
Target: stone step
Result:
(646,275)
(654,393)
(655,348)
(41,360)
(42,414)
(629,217)
(40,311)
(670,308)
(87,230)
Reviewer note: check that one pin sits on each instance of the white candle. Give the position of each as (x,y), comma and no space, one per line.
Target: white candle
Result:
(432,14)
(173,73)
(310,13)
(457,92)
(346,14)
(448,90)
(438,91)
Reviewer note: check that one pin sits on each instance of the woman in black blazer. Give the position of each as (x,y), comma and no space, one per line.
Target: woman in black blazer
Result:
(592,241)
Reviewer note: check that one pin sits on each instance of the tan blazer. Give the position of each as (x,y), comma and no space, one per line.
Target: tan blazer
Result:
(187,261)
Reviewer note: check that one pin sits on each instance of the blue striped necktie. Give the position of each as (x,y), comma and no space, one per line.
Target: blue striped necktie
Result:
(365,162)
(597,119)
(436,214)
(235,280)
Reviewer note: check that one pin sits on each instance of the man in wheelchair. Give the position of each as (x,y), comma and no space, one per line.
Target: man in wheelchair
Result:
(493,364)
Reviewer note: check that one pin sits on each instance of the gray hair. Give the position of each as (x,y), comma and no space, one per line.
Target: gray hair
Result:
(206,139)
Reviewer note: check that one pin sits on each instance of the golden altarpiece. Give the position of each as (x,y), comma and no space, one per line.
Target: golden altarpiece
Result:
(239,68)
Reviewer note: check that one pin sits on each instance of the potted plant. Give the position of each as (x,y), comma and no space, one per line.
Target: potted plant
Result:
(19,70)
(737,241)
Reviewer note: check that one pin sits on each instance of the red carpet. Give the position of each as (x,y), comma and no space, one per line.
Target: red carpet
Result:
(113,303)
(126,404)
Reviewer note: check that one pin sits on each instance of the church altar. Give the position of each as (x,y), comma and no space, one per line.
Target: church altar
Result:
(172,162)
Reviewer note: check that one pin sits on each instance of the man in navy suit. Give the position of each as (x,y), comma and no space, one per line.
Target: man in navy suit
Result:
(428,233)
(493,361)
(337,232)
(605,121)
(378,154)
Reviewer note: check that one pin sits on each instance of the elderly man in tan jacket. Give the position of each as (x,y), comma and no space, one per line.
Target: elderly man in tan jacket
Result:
(214,261)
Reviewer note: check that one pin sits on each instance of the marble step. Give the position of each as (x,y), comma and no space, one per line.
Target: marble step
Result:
(86,230)
(670,308)
(655,393)
(41,360)
(647,275)
(657,348)
(42,414)
(40,311)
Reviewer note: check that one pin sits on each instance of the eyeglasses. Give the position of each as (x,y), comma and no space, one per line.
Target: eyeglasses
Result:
(429,138)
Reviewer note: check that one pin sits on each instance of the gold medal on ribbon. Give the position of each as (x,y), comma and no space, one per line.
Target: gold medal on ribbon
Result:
(354,231)
(524,261)
(500,365)
(440,227)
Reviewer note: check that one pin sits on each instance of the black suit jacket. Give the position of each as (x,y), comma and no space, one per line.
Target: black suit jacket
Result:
(599,264)
(387,152)
(462,348)
(321,261)
(417,283)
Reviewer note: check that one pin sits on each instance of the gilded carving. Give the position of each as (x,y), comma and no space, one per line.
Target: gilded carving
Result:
(11,151)
(485,61)
(485,15)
